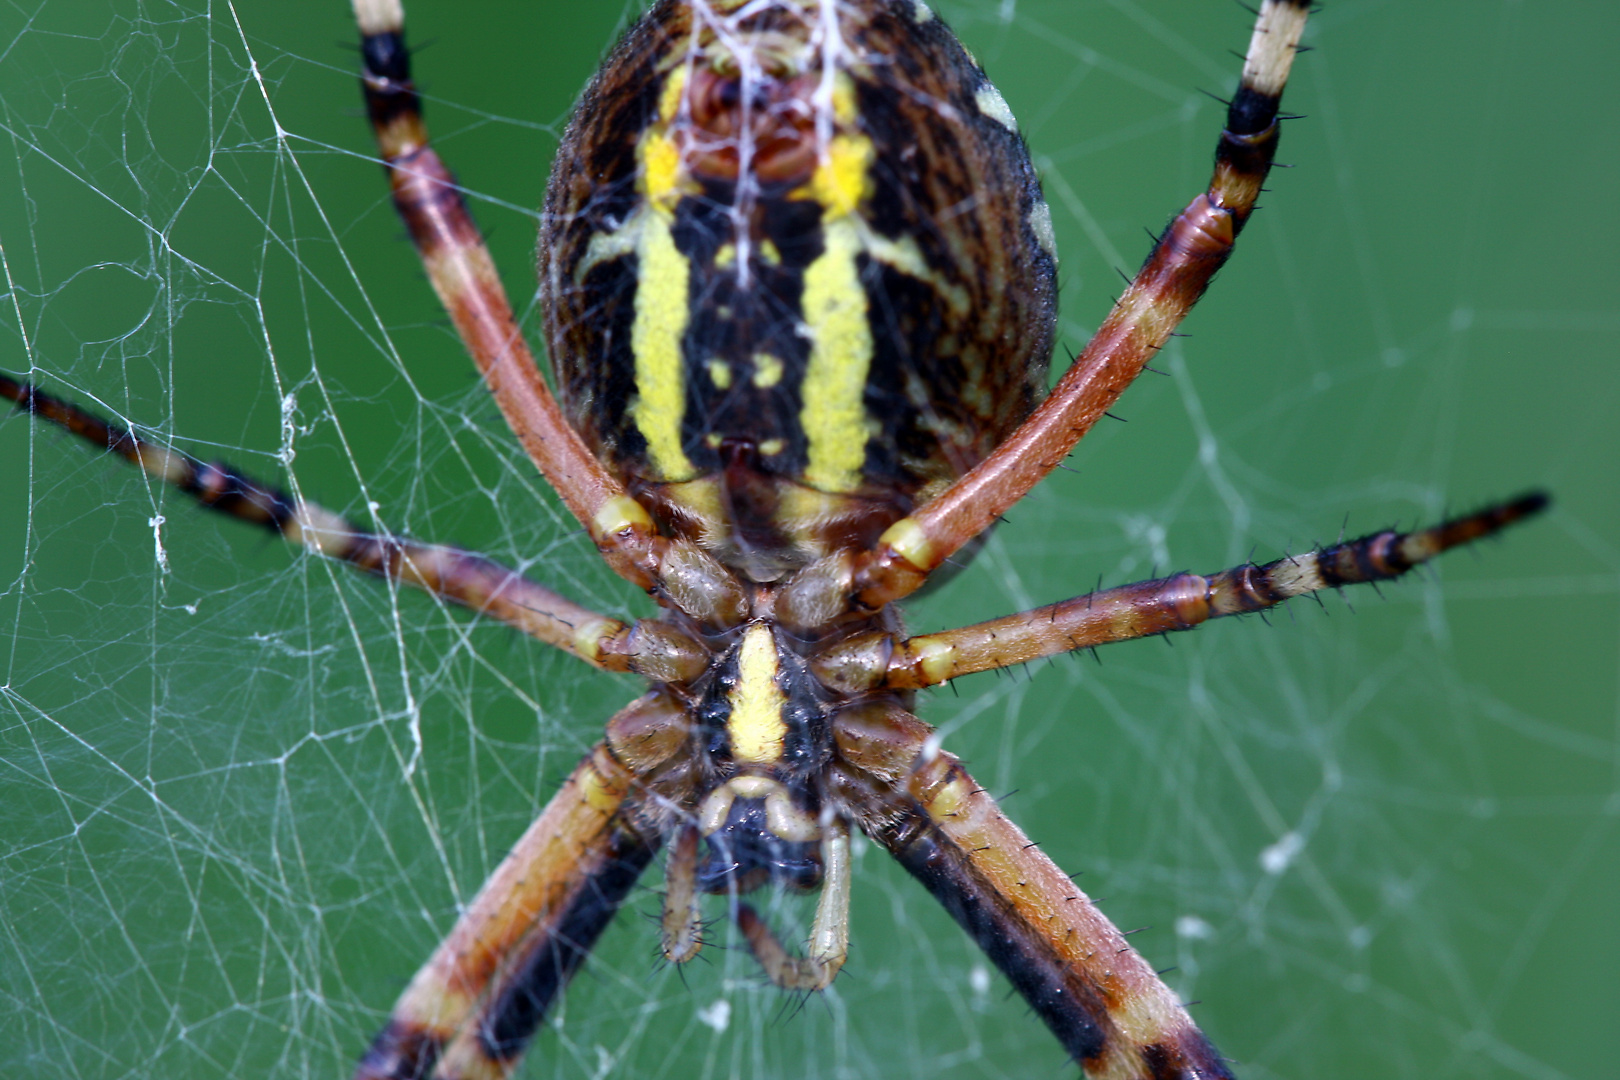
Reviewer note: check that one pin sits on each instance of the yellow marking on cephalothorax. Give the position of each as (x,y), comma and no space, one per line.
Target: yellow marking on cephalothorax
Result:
(772,447)
(719,373)
(769,252)
(767,370)
(835,312)
(756,728)
(714,440)
(725,255)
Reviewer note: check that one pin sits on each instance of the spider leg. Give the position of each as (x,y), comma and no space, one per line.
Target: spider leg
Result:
(472,1008)
(462,273)
(683,907)
(448,573)
(829,934)
(1179,602)
(1188,253)
(1105,1004)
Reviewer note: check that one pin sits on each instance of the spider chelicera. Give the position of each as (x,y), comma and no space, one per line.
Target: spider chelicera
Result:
(799,287)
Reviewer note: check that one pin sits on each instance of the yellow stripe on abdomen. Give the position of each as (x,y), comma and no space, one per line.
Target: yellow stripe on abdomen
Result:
(833,414)
(662,311)
(663,289)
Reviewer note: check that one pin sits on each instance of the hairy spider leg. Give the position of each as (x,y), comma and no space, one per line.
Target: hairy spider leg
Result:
(1103,1001)
(451,574)
(1178,602)
(471,1009)
(1188,253)
(683,902)
(462,273)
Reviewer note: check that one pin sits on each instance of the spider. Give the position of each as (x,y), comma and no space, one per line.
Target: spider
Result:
(799,285)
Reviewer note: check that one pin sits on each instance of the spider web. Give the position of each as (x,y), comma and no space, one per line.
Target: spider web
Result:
(243,792)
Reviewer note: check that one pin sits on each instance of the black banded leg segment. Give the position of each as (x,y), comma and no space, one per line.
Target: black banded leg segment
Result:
(500,1033)
(459,266)
(1102,1000)
(1180,602)
(472,1008)
(494,1039)
(451,574)
(1068,1007)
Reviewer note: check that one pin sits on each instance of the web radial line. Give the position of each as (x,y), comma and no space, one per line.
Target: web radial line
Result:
(472,1008)
(460,577)
(462,273)
(1188,253)
(1183,601)
(1102,1000)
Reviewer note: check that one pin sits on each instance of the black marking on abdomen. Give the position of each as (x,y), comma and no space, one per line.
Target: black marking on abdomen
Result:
(733,322)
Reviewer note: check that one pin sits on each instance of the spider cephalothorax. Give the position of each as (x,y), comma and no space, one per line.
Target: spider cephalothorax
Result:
(799,289)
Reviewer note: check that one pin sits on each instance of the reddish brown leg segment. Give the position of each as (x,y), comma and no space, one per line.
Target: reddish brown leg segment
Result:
(459,266)
(1180,602)
(1189,252)
(1105,1004)
(472,1008)
(460,577)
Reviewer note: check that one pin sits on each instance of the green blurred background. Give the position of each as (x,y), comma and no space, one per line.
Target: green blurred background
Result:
(242,793)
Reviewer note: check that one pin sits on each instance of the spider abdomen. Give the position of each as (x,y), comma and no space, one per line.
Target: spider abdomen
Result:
(797,270)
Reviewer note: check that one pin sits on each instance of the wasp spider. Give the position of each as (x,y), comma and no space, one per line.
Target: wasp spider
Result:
(799,288)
